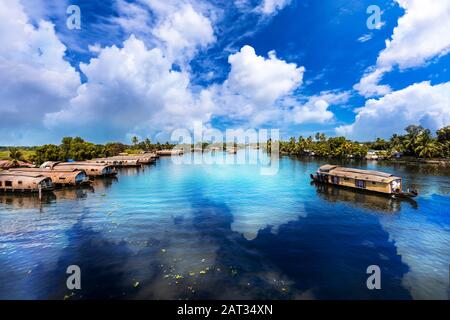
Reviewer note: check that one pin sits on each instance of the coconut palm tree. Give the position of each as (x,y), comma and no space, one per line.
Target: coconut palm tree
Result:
(429,150)
(15,155)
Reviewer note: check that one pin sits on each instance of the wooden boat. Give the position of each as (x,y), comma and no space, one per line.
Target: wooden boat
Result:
(124,161)
(59,177)
(24,182)
(170,152)
(140,159)
(368,180)
(92,169)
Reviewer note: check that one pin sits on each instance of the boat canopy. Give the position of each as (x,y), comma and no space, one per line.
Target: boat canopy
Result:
(369,175)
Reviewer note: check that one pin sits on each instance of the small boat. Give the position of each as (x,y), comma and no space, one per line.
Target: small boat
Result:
(368,180)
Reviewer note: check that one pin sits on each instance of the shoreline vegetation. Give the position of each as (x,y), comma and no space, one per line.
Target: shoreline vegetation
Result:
(417,145)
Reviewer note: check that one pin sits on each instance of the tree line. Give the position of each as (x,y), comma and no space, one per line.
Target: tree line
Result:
(416,142)
(77,149)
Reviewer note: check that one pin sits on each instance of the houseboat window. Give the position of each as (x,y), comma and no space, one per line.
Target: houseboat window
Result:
(8,183)
(20,182)
(373,182)
(360,184)
(1,183)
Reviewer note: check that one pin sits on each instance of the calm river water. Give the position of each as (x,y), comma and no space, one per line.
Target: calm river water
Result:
(220,231)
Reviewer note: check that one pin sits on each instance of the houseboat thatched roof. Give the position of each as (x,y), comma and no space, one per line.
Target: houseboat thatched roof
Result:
(91,168)
(369,175)
(7,164)
(58,176)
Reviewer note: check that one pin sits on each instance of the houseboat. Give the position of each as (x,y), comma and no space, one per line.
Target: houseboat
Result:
(232,150)
(368,180)
(170,152)
(117,162)
(141,159)
(59,177)
(92,169)
(127,161)
(24,182)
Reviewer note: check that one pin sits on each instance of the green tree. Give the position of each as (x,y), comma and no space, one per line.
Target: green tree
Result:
(15,155)
(48,152)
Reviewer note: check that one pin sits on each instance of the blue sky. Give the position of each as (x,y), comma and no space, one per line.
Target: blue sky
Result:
(148,67)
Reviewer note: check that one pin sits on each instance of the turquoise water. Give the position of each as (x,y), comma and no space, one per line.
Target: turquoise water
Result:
(214,231)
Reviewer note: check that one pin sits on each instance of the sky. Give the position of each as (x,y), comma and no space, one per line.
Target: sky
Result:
(147,67)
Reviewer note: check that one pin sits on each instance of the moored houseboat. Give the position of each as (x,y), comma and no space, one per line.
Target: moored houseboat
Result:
(368,180)
(92,169)
(141,159)
(170,152)
(24,182)
(127,161)
(117,162)
(59,177)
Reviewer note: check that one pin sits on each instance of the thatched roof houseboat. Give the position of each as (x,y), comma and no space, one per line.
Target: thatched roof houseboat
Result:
(170,152)
(117,162)
(140,159)
(24,182)
(60,177)
(126,161)
(369,180)
(92,169)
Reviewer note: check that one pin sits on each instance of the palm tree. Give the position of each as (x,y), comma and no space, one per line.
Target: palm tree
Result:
(148,144)
(134,140)
(16,155)
(429,150)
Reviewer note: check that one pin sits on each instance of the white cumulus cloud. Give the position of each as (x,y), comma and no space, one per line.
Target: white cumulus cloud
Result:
(183,31)
(422,34)
(420,104)
(35,78)
(131,89)
(256,86)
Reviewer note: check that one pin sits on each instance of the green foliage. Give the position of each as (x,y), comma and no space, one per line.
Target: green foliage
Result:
(79,150)
(48,152)
(15,154)
(417,142)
